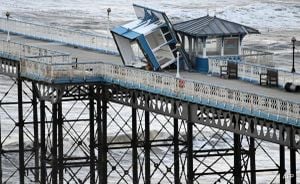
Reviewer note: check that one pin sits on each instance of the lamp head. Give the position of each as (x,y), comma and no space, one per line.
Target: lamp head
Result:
(7,14)
(108,11)
(293,40)
(178,45)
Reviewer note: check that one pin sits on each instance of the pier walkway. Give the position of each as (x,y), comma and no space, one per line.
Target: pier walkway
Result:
(271,103)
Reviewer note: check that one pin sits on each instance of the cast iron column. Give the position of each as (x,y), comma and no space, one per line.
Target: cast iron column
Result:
(293,175)
(60,144)
(103,138)
(36,133)
(252,156)
(282,164)
(190,164)
(21,129)
(54,144)
(147,147)
(237,154)
(134,143)
(176,152)
(92,136)
(43,143)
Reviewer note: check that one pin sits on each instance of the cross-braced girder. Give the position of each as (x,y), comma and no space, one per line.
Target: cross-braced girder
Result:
(101,133)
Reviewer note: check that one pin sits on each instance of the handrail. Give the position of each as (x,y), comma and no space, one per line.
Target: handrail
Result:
(71,37)
(201,92)
(18,51)
(165,84)
(251,71)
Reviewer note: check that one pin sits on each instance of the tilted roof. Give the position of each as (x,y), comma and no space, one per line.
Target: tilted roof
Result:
(212,26)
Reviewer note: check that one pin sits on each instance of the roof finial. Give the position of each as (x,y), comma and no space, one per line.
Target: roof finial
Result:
(207,11)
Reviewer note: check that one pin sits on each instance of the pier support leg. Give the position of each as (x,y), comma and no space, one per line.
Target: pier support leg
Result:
(237,159)
(176,152)
(92,136)
(60,144)
(102,138)
(43,143)
(293,175)
(36,133)
(54,144)
(147,148)
(134,145)
(1,152)
(282,164)
(21,131)
(252,157)
(190,165)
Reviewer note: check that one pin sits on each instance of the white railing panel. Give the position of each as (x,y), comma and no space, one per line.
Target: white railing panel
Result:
(78,38)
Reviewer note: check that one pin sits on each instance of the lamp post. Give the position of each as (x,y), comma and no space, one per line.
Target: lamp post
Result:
(293,67)
(178,47)
(108,26)
(7,17)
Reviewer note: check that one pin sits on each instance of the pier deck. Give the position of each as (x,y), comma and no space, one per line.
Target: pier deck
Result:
(86,55)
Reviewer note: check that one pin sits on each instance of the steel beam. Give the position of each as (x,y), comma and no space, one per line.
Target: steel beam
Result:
(237,153)
(293,175)
(1,151)
(103,137)
(147,148)
(35,133)
(54,144)
(176,152)
(43,143)
(60,143)
(134,144)
(252,151)
(21,130)
(282,170)
(190,157)
(92,135)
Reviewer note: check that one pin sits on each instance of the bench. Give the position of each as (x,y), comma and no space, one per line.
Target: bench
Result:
(229,71)
(269,79)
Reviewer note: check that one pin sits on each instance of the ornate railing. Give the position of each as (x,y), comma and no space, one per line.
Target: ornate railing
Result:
(200,92)
(251,72)
(17,51)
(190,90)
(257,57)
(76,38)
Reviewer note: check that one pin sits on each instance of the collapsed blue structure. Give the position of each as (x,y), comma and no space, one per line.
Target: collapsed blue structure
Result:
(148,41)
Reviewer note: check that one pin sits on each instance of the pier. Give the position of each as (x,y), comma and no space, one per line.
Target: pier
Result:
(83,112)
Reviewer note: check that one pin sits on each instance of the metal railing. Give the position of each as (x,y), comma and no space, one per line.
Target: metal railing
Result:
(76,38)
(257,57)
(17,51)
(251,72)
(167,84)
(191,90)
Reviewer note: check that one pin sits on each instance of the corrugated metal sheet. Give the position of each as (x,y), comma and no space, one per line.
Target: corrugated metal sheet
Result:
(212,26)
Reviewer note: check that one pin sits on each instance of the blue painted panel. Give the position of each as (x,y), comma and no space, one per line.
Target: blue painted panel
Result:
(127,33)
(201,64)
(148,52)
